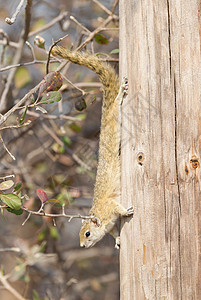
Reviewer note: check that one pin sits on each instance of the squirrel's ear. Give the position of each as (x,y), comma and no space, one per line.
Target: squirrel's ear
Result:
(83,221)
(96,221)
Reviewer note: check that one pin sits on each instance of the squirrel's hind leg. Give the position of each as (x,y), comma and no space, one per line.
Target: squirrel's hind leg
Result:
(124,213)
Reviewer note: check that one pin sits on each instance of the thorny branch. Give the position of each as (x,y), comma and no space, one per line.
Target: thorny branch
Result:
(42,213)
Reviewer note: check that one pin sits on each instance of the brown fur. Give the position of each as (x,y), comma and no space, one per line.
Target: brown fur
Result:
(107,186)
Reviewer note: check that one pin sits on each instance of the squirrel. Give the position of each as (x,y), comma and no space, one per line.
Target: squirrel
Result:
(106,207)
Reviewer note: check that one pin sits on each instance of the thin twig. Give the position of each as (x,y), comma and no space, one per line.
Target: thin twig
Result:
(32,50)
(97,30)
(49,52)
(107,278)
(18,56)
(26,64)
(8,287)
(74,85)
(53,117)
(83,85)
(16,126)
(88,39)
(44,214)
(27,218)
(115,5)
(73,155)
(11,44)
(105,9)
(79,24)
(27,19)
(11,155)
(8,176)
(4,117)
(43,148)
(12,249)
(4,34)
(50,24)
(11,20)
(16,59)
(110,29)
(54,222)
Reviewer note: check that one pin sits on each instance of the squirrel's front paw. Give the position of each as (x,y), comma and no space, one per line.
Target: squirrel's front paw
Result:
(117,242)
(130,211)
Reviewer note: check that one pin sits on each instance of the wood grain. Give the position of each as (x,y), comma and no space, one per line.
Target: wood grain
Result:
(161,148)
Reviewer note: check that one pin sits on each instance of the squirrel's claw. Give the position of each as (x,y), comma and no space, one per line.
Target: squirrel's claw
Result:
(117,242)
(130,211)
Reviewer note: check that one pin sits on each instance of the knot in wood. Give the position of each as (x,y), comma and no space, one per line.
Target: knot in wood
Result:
(140,158)
(195,163)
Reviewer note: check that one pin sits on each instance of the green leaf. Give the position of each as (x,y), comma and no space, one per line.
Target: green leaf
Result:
(66,140)
(26,278)
(50,97)
(54,232)
(17,186)
(102,53)
(52,201)
(12,200)
(18,272)
(58,149)
(42,247)
(42,235)
(75,127)
(81,117)
(21,121)
(101,39)
(15,211)
(59,178)
(35,295)
(114,51)
(5,185)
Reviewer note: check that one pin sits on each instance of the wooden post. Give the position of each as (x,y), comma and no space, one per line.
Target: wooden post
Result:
(161,148)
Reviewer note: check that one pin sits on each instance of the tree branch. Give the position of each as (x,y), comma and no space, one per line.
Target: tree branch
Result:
(17,56)
(8,287)
(11,20)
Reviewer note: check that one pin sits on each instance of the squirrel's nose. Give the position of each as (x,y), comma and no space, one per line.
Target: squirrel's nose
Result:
(82,245)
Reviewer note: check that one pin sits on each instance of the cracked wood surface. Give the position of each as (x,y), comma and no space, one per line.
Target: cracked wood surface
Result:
(161,148)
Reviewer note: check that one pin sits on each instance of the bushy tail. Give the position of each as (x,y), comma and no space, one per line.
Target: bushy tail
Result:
(105,72)
(108,170)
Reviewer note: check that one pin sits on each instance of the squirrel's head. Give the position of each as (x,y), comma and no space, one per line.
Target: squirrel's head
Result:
(91,232)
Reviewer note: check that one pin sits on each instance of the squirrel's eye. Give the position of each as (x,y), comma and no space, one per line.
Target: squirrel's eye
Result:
(87,233)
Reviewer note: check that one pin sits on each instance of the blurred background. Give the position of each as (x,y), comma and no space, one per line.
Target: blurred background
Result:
(56,151)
